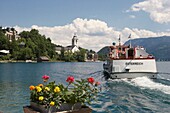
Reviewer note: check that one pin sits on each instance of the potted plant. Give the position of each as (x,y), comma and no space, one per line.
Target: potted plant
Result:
(52,97)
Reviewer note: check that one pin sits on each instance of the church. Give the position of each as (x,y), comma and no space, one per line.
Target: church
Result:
(71,48)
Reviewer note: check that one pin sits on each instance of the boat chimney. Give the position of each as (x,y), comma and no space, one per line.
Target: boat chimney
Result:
(119,41)
(129,37)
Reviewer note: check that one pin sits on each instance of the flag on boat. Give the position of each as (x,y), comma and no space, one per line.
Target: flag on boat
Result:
(129,36)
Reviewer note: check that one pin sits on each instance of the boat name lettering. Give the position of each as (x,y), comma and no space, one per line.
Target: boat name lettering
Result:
(134,63)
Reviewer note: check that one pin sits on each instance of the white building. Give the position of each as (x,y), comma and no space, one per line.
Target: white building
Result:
(74,44)
(71,48)
(58,49)
(11,34)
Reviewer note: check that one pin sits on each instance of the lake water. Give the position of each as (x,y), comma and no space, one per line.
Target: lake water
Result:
(141,94)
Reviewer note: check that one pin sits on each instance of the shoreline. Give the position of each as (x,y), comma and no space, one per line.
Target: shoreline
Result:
(22,61)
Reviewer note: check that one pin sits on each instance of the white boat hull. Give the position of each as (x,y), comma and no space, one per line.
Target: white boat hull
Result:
(130,75)
(130,69)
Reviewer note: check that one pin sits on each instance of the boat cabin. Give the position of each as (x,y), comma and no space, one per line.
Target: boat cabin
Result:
(127,52)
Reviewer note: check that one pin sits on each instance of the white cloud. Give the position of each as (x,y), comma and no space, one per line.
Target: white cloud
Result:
(159,10)
(92,34)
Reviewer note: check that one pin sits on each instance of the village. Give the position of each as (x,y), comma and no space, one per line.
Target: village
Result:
(12,35)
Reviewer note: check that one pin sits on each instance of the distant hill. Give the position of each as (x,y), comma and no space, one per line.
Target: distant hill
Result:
(157,46)
(103,51)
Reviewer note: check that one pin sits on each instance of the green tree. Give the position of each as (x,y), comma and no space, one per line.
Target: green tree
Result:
(39,44)
(4,42)
(81,55)
(61,56)
(14,49)
(69,56)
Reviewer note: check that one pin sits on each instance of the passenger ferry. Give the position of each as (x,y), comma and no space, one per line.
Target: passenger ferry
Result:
(129,62)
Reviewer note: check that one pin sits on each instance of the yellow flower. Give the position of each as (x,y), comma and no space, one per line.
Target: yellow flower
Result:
(57,89)
(52,103)
(41,98)
(47,88)
(32,87)
(41,85)
(38,88)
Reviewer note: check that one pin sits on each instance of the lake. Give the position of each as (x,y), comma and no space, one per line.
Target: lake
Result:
(116,96)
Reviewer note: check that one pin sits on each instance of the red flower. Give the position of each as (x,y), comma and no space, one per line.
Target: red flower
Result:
(90,80)
(97,83)
(45,78)
(70,79)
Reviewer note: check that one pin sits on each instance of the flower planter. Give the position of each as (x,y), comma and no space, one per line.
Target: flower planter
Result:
(63,107)
(35,108)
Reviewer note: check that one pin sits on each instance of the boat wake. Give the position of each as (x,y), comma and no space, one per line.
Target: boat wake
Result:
(145,82)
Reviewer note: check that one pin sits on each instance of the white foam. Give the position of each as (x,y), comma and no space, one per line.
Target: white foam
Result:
(117,80)
(145,82)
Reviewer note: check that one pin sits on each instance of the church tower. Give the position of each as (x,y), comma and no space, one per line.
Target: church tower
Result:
(74,40)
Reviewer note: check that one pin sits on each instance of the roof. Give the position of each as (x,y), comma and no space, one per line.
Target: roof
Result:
(44,58)
(68,48)
(58,48)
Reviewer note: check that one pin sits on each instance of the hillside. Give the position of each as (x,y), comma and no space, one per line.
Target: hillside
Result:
(157,46)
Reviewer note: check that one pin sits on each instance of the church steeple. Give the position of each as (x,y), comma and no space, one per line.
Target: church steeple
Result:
(74,40)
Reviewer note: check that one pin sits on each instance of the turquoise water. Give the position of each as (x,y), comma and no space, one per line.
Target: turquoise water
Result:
(141,94)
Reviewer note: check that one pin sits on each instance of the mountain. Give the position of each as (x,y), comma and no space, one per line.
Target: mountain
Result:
(103,51)
(157,46)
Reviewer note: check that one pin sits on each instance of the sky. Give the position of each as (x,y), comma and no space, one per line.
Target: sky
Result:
(97,23)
